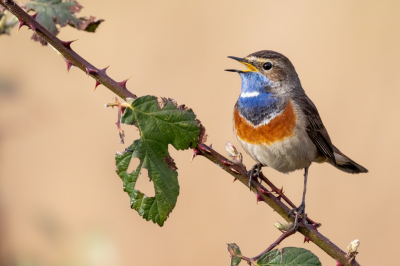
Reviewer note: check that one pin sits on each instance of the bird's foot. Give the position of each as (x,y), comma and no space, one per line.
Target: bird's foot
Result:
(255,169)
(300,212)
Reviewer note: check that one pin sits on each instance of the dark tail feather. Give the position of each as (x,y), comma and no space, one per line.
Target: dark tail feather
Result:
(346,164)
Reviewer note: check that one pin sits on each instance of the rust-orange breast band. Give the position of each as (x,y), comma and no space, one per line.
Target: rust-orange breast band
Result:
(277,129)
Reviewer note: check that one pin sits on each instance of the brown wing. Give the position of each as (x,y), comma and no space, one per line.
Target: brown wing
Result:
(316,130)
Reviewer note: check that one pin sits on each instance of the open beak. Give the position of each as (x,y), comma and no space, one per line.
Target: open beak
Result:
(250,67)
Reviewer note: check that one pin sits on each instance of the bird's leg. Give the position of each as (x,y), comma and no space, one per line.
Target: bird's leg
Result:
(301,209)
(252,170)
(259,166)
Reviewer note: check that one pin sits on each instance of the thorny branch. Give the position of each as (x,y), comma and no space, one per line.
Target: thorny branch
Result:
(64,48)
(271,247)
(237,170)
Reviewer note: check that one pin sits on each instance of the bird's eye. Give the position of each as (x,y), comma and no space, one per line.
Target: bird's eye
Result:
(267,66)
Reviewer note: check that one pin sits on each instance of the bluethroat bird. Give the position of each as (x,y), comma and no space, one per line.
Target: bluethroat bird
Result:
(278,125)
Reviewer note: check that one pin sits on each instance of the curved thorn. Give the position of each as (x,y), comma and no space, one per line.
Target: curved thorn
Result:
(68,44)
(35,15)
(32,27)
(21,23)
(104,70)
(69,64)
(259,198)
(123,83)
(97,84)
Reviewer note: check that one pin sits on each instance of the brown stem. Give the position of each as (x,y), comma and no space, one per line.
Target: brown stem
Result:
(277,242)
(286,234)
(249,260)
(67,52)
(239,172)
(236,170)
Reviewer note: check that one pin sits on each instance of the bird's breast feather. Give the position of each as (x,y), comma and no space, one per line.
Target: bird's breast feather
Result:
(277,129)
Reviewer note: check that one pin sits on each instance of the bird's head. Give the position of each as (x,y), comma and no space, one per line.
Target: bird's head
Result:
(267,71)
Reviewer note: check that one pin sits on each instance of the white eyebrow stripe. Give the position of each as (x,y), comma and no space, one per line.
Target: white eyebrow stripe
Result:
(249,94)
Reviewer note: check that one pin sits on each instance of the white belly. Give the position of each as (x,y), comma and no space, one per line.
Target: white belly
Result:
(296,152)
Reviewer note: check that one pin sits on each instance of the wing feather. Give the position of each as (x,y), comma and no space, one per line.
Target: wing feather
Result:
(316,129)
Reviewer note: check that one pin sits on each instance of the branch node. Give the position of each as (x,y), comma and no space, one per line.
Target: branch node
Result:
(233,153)
(195,153)
(203,149)
(338,263)
(263,191)
(33,27)
(90,70)
(234,170)
(21,23)
(226,162)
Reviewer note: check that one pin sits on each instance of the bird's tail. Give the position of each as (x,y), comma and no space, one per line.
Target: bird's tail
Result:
(346,164)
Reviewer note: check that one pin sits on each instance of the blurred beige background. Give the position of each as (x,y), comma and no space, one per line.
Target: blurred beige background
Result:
(61,202)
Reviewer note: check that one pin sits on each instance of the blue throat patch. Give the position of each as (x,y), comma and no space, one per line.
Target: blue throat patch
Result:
(256,103)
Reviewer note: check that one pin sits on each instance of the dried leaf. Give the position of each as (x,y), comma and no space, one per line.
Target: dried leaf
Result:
(53,13)
(88,24)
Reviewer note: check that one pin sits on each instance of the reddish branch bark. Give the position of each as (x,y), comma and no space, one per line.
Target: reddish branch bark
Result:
(237,170)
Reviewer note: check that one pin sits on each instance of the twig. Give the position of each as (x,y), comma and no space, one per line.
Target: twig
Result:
(238,171)
(69,55)
(286,234)
(250,261)
(277,242)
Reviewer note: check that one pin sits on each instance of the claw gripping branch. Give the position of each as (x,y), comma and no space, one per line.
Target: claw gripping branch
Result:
(238,171)
(103,71)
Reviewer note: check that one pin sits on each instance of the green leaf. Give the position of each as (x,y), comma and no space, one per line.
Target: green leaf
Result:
(289,256)
(236,254)
(235,261)
(60,12)
(52,12)
(158,126)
